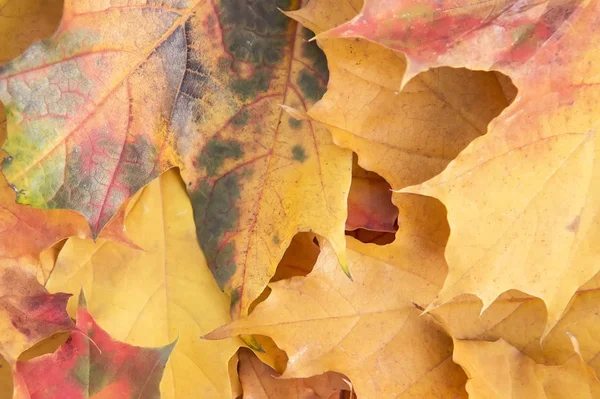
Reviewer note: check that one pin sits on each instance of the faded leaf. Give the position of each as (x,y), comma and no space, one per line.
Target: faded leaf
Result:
(368,329)
(498,370)
(157,294)
(28,313)
(100,109)
(522,204)
(92,364)
(259,381)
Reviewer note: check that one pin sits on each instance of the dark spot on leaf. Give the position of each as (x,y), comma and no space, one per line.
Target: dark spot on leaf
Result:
(294,123)
(241,118)
(215,214)
(310,85)
(255,32)
(276,240)
(216,152)
(298,153)
(251,87)
(312,51)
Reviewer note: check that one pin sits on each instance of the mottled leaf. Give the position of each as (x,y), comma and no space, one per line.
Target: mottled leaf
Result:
(28,313)
(479,34)
(100,109)
(91,364)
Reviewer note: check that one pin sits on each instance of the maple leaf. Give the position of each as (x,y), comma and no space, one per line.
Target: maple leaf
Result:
(498,370)
(28,313)
(519,198)
(158,293)
(92,364)
(369,329)
(259,381)
(100,109)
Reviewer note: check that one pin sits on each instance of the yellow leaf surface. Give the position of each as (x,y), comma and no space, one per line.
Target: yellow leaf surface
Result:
(368,329)
(520,320)
(523,203)
(161,292)
(497,370)
(259,381)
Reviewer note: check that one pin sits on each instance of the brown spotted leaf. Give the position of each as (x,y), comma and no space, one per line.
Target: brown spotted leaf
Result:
(91,364)
(256,175)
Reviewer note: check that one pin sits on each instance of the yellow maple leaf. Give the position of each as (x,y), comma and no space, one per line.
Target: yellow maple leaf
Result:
(368,329)
(161,292)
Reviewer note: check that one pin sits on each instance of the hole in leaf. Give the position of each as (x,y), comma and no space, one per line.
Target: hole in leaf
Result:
(298,260)
(372,217)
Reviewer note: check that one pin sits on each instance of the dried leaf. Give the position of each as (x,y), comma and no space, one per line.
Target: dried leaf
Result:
(161,292)
(368,329)
(92,364)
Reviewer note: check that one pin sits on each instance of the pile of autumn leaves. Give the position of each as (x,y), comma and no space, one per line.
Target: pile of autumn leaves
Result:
(481,279)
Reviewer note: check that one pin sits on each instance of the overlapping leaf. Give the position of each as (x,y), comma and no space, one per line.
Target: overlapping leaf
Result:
(92,364)
(28,313)
(497,370)
(98,111)
(259,381)
(369,330)
(520,320)
(521,197)
(161,292)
